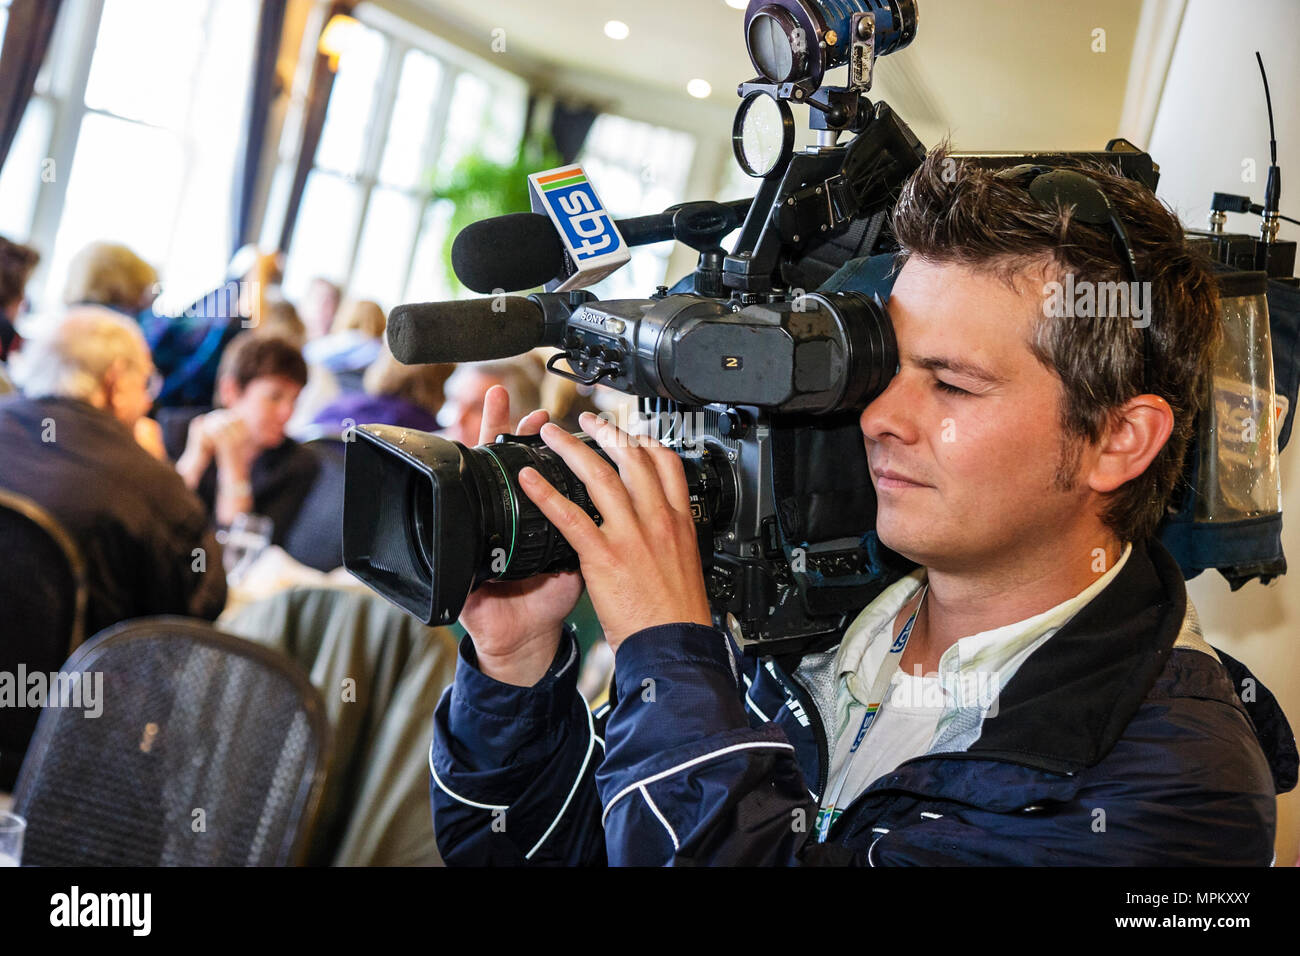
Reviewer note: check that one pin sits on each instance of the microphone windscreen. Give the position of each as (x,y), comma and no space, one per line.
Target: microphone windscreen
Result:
(472,330)
(519,251)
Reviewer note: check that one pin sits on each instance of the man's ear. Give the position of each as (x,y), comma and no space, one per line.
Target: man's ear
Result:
(109,382)
(1135,435)
(228,391)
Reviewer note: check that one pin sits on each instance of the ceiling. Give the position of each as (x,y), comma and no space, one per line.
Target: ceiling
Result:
(996,74)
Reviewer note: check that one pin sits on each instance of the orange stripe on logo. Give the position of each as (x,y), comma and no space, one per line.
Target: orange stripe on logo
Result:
(562,174)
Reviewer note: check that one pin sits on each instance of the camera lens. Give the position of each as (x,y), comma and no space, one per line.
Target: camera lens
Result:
(420,508)
(426,520)
(520,541)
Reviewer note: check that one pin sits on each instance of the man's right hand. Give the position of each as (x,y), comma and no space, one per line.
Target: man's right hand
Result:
(516,625)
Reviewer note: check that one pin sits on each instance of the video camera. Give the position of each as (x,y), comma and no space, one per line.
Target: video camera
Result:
(756,383)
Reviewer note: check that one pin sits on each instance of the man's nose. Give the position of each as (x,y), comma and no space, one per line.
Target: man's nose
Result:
(892,414)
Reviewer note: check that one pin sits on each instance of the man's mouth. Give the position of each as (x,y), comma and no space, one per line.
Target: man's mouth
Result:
(888,478)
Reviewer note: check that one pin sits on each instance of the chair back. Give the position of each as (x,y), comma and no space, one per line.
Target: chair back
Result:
(178,746)
(42,610)
(381,673)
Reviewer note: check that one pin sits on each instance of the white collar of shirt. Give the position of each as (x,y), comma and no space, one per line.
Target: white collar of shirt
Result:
(973,670)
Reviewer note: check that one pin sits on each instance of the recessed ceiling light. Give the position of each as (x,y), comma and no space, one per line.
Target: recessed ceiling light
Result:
(699,89)
(738,4)
(616,30)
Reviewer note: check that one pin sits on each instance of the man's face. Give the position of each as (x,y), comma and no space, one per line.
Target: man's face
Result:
(318,308)
(983,461)
(266,405)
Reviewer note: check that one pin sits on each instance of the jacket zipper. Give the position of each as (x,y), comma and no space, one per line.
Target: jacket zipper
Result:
(801,694)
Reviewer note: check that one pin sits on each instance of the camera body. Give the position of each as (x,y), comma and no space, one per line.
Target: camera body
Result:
(759,401)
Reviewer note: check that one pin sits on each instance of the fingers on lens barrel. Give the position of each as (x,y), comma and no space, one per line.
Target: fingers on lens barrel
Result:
(645,465)
(532,423)
(606,488)
(571,521)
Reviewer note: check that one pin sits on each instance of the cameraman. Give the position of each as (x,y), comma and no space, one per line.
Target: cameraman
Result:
(1048,698)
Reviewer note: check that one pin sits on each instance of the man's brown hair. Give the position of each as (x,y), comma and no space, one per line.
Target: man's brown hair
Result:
(951,211)
(251,355)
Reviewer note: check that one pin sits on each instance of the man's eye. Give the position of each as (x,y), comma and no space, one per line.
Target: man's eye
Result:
(950,389)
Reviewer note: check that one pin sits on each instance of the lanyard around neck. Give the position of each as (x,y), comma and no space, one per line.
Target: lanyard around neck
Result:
(875,700)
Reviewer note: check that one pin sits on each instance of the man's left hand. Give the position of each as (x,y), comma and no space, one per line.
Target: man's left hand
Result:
(642,564)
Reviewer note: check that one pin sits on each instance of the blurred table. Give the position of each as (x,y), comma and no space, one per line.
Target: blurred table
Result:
(274,571)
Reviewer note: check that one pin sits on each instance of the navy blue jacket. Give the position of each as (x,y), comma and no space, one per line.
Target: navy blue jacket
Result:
(1110,747)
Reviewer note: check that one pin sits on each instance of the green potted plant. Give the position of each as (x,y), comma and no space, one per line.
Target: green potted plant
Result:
(481,188)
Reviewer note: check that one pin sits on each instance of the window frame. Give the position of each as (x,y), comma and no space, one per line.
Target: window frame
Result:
(402,36)
(62,83)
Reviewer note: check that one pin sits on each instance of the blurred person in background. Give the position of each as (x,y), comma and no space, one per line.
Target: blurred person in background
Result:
(238,458)
(319,306)
(361,316)
(17,262)
(74,444)
(353,344)
(409,396)
(279,317)
(462,413)
(187,345)
(322,387)
(110,274)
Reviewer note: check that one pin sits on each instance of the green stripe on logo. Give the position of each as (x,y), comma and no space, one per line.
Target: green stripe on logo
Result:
(572,181)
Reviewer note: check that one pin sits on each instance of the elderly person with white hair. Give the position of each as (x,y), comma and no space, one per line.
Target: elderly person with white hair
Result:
(78,444)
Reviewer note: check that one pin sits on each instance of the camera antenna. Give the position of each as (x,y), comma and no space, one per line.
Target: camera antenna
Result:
(1273,190)
(1229,202)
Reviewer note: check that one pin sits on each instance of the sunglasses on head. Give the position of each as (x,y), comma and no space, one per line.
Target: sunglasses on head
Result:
(1069,187)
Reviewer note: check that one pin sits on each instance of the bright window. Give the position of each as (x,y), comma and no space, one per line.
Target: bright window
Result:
(124,185)
(24,169)
(136,76)
(141,148)
(322,239)
(350,118)
(637,169)
(408,131)
(398,114)
(386,240)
